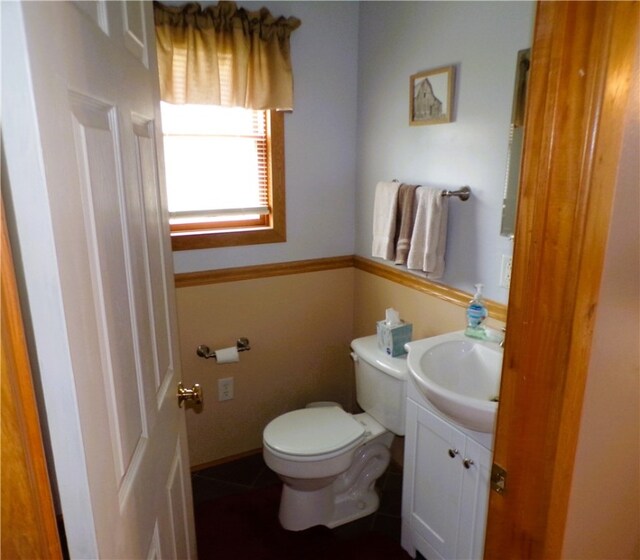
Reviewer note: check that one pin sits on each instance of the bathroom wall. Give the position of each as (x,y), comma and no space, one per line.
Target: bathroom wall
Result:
(320,142)
(603,519)
(299,326)
(398,39)
(429,315)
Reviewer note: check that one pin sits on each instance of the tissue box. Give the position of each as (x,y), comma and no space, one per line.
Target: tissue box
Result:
(391,340)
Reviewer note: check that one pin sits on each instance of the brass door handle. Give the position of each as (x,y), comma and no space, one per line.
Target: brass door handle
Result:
(194,394)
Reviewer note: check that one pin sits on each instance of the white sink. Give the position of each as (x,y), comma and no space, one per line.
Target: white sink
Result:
(460,376)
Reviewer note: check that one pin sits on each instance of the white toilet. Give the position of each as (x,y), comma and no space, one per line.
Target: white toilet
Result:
(328,459)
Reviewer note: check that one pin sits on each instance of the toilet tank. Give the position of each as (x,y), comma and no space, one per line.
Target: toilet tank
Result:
(381,383)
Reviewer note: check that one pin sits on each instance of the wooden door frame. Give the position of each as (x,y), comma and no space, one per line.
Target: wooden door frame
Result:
(29,528)
(583,54)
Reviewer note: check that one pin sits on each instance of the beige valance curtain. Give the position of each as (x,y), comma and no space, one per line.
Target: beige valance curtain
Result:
(224,55)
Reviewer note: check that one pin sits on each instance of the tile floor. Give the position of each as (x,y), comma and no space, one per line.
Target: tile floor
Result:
(250,473)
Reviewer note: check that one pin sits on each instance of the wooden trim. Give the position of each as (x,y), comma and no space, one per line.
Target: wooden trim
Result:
(261,271)
(29,527)
(582,60)
(496,310)
(277,173)
(224,460)
(276,231)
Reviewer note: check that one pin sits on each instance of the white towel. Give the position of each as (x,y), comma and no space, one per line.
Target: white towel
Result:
(384,220)
(429,237)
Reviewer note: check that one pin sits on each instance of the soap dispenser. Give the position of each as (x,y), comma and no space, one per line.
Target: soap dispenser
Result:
(476,314)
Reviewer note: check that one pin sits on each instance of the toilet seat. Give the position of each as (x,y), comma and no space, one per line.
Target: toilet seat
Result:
(310,434)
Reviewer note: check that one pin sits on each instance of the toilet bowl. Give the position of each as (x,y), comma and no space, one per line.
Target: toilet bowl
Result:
(328,459)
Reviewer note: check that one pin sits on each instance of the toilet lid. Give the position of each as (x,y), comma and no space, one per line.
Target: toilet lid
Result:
(313,431)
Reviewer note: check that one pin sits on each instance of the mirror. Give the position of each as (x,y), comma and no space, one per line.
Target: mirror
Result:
(516,136)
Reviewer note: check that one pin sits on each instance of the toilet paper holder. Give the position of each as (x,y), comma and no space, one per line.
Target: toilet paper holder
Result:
(242,344)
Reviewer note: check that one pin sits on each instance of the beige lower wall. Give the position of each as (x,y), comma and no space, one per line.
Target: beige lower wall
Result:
(430,315)
(299,327)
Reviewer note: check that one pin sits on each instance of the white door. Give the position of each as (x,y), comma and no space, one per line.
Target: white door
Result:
(80,109)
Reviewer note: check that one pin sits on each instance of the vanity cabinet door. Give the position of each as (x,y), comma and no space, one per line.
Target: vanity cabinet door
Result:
(434,482)
(446,488)
(475,501)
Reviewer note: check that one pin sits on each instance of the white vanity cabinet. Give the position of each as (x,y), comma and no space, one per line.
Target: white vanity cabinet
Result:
(446,485)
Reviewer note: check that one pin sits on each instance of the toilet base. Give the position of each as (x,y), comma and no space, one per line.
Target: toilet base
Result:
(349,510)
(301,510)
(350,496)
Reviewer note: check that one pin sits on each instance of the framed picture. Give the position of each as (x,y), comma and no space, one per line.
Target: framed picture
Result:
(431,96)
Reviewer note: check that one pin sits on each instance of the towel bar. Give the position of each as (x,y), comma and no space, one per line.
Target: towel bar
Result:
(463,193)
(204,352)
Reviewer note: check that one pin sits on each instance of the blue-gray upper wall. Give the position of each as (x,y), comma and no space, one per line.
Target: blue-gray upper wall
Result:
(350,127)
(481,39)
(320,142)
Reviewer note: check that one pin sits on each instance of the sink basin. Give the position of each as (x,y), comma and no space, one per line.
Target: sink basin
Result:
(460,376)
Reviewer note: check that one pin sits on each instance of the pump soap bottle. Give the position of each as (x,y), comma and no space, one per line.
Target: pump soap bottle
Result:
(476,314)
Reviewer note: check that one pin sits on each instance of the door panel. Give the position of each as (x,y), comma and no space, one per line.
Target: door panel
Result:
(101,183)
(156,235)
(97,11)
(177,502)
(134,31)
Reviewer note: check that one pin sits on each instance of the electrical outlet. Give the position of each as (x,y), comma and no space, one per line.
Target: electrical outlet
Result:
(225,389)
(505,271)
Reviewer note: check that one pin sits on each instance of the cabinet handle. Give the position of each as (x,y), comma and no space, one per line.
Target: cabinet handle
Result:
(467,463)
(453,453)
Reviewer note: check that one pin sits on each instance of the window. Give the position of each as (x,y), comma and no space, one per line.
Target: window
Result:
(225,175)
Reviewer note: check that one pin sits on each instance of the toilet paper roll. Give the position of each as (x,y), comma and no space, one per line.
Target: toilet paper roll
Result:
(227,355)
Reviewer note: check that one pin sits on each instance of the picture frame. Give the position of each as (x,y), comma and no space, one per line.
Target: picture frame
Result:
(431,96)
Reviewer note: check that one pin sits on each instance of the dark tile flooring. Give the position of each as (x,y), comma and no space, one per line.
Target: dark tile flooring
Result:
(251,473)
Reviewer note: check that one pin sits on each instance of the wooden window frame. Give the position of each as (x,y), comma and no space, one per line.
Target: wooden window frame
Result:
(274,231)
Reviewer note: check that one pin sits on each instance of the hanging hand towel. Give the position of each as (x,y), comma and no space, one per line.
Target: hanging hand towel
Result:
(405,218)
(429,237)
(385,205)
